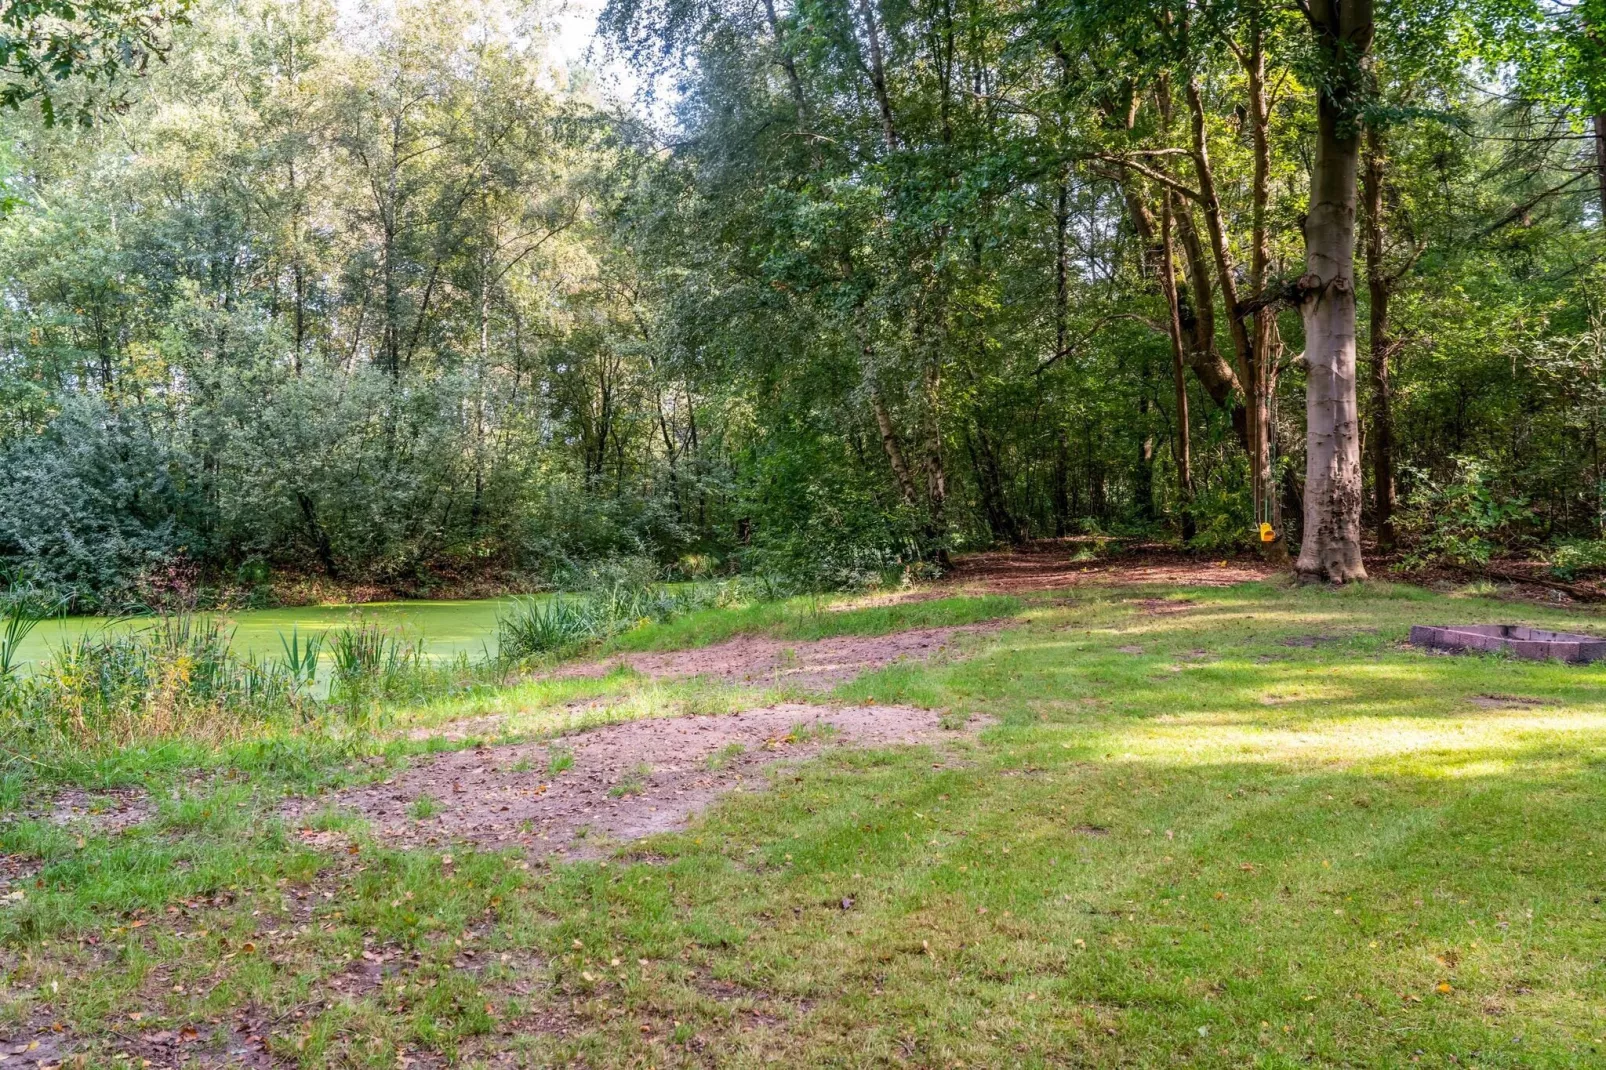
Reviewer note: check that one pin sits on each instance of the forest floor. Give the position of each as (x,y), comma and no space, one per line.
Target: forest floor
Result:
(1048,812)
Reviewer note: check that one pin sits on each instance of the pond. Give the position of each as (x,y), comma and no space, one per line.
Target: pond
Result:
(446,628)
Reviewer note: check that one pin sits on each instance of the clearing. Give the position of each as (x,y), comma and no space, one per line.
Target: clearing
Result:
(1047,812)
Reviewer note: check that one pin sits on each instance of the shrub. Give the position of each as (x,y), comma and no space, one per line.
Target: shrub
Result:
(544,626)
(1571,559)
(1460,521)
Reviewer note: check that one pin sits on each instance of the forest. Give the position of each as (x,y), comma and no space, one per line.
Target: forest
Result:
(382,294)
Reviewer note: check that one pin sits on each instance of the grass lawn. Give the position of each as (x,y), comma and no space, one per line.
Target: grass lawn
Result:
(1226,827)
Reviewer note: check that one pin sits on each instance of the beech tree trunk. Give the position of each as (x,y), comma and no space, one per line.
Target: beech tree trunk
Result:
(1331,548)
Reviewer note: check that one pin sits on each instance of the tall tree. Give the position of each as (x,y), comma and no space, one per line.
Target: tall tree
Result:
(1331,545)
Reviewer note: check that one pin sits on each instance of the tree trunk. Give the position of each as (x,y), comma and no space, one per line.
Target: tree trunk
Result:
(1331,548)
(1380,287)
(1183,447)
(1600,162)
(878,73)
(1263,333)
(889,443)
(1250,377)
(990,485)
(1214,373)
(788,64)
(1062,485)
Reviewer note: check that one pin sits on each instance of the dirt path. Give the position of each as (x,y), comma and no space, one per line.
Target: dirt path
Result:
(1048,566)
(578,795)
(817,664)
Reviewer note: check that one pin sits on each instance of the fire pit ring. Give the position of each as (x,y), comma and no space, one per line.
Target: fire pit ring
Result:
(1535,644)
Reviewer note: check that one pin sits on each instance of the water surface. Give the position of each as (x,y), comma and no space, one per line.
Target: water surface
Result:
(446,628)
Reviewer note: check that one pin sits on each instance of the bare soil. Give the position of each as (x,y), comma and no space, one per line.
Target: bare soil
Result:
(1049,566)
(626,780)
(817,664)
(100,812)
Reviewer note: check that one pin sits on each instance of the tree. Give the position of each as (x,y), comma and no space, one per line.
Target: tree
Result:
(1331,547)
(48,45)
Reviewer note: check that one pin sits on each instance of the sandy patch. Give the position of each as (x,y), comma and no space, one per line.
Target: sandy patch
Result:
(816,664)
(622,781)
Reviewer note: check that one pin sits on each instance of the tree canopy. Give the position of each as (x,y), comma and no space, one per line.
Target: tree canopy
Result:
(381,294)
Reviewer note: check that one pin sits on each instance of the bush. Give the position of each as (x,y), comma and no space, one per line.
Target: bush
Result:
(1461,521)
(94,503)
(1571,559)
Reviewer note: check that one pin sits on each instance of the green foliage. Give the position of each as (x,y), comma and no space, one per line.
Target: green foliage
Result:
(421,318)
(1461,520)
(1571,559)
(92,43)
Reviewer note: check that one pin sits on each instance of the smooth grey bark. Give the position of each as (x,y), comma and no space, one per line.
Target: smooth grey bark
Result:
(1331,546)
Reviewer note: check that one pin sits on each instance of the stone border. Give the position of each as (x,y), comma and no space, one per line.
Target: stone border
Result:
(1534,644)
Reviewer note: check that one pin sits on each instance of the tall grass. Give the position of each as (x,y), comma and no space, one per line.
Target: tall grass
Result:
(173,676)
(566,623)
(301,658)
(19,620)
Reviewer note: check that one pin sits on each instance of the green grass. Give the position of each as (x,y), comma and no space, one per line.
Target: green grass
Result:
(812,617)
(724,756)
(1260,831)
(632,783)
